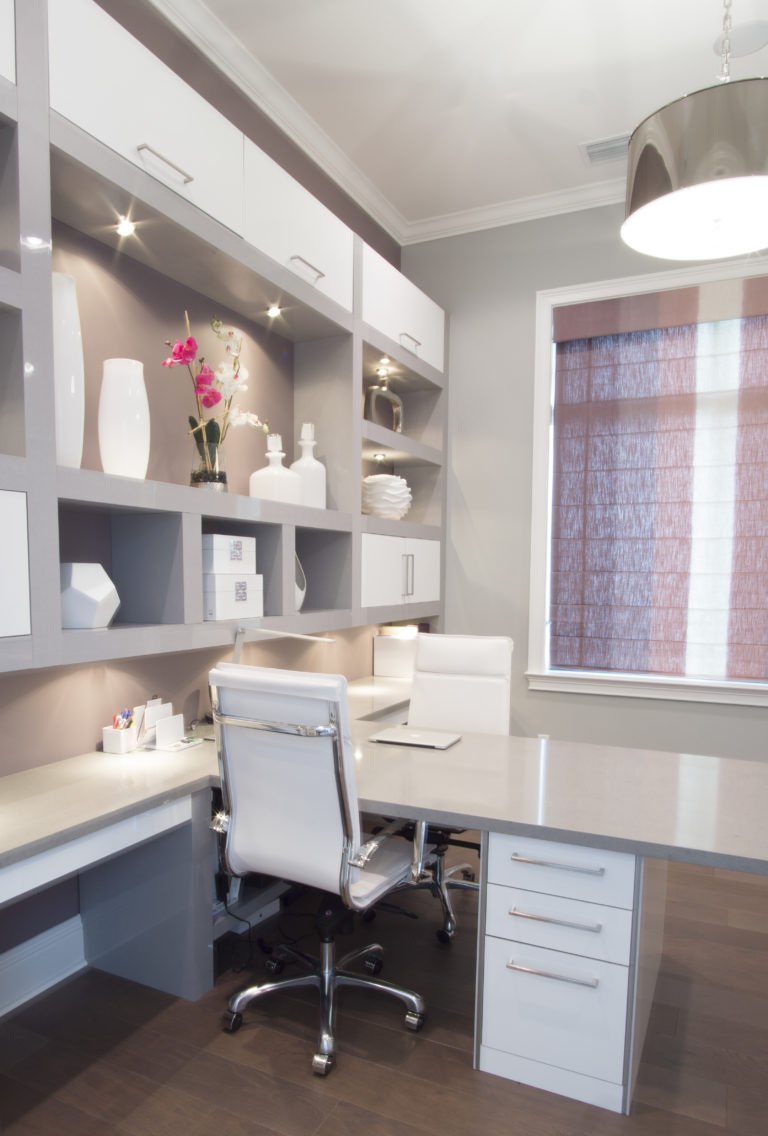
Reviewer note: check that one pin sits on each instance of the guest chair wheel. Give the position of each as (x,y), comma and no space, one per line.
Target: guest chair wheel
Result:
(468,874)
(322,1063)
(443,936)
(373,964)
(231,1022)
(275,965)
(368,916)
(414,1021)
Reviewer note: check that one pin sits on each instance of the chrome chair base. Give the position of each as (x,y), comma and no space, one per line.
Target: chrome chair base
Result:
(441,882)
(327,974)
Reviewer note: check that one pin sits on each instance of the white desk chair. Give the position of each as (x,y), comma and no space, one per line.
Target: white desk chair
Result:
(289,790)
(461,683)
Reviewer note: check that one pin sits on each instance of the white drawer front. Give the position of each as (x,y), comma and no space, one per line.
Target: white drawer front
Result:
(594,874)
(7,41)
(588,929)
(570,1012)
(394,305)
(126,97)
(286,222)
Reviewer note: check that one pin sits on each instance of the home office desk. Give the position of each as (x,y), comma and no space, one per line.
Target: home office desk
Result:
(135,829)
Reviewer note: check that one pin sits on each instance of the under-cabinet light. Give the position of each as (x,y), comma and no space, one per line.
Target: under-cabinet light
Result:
(379,457)
(273,311)
(36,243)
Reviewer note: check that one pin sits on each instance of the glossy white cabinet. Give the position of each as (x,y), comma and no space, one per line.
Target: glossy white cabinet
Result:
(286,222)
(395,306)
(7,41)
(399,570)
(113,87)
(559,944)
(14,594)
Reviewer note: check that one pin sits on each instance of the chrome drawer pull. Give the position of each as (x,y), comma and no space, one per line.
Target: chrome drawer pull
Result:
(187,178)
(553,864)
(416,342)
(302,260)
(596,928)
(591,982)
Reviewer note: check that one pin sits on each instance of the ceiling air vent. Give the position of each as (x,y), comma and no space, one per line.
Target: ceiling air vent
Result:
(606,150)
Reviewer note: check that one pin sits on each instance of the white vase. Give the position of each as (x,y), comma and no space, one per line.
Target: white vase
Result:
(68,372)
(310,470)
(274,482)
(301,584)
(124,419)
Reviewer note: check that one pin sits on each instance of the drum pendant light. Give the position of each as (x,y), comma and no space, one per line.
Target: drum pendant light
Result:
(697,176)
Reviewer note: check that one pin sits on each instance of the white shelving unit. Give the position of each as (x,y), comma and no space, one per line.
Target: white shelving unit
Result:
(82,164)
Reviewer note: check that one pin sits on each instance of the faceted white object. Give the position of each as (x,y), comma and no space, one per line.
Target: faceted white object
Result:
(88,596)
(385,495)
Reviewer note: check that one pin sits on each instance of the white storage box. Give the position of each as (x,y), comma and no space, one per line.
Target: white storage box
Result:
(222,553)
(227,596)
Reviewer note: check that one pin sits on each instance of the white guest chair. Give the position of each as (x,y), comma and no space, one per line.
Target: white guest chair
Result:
(461,683)
(291,811)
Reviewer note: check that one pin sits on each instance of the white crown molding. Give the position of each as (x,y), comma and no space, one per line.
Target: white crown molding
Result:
(513,212)
(194,20)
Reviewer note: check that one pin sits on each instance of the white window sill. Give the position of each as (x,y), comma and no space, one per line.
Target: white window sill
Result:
(650,686)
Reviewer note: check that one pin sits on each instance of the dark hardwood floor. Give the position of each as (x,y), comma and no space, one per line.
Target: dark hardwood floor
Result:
(102,1055)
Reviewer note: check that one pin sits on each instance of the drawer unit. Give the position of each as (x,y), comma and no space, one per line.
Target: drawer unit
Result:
(555,1008)
(593,874)
(571,925)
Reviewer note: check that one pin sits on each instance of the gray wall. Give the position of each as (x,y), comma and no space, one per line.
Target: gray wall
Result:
(488,282)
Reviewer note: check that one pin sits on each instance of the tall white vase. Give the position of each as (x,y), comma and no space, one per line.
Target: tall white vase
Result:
(68,372)
(124,419)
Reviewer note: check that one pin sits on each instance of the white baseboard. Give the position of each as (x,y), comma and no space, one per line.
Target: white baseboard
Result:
(39,963)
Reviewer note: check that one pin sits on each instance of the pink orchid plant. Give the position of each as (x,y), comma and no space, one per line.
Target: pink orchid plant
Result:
(214,389)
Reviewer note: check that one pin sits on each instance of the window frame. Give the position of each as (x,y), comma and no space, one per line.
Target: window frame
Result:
(539,675)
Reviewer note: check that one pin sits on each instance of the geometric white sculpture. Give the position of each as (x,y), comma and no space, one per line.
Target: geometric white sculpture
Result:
(88,596)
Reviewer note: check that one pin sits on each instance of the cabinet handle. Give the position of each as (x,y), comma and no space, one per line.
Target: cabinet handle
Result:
(596,928)
(187,178)
(416,342)
(410,574)
(591,982)
(562,867)
(303,260)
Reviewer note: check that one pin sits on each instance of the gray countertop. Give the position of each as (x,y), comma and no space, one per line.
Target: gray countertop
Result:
(678,806)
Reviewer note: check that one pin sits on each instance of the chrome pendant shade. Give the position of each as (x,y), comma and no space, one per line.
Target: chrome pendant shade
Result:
(697,177)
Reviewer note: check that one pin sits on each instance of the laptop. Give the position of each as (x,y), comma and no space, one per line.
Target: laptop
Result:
(408,736)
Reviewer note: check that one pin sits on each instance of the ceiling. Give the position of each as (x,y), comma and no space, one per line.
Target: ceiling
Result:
(445,116)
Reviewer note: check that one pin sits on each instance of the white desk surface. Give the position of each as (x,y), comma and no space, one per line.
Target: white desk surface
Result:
(704,810)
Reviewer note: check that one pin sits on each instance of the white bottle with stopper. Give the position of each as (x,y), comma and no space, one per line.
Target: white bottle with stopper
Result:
(274,482)
(310,470)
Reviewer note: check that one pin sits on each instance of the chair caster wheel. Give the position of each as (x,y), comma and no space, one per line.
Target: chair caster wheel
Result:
(468,875)
(373,964)
(444,936)
(414,1021)
(231,1022)
(369,915)
(274,965)
(322,1063)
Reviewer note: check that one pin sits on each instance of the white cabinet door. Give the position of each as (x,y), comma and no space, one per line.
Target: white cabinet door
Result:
(14,594)
(286,222)
(110,85)
(394,305)
(422,570)
(7,41)
(399,570)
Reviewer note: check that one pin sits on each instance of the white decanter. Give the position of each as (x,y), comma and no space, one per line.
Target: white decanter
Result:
(274,482)
(310,470)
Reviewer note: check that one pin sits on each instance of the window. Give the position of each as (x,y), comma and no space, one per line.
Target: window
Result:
(651,573)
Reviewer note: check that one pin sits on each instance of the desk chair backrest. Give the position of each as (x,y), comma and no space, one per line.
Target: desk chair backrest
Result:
(462,682)
(287,774)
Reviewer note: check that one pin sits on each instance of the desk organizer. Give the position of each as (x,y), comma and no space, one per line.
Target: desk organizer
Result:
(119,741)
